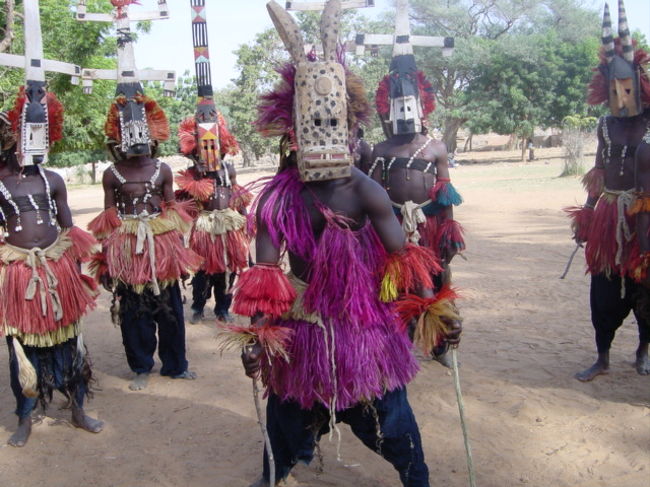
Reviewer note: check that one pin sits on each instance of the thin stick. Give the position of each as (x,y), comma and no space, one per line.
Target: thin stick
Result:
(568,264)
(461,411)
(265,433)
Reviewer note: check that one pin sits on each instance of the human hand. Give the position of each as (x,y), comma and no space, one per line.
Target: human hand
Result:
(454,329)
(251,356)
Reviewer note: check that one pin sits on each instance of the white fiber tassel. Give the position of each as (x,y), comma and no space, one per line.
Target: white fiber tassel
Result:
(26,372)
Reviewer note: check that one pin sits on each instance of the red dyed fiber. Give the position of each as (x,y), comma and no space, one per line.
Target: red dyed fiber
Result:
(594,182)
(412,267)
(581,220)
(263,289)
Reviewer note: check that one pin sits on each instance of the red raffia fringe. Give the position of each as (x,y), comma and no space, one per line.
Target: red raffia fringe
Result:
(240,198)
(594,182)
(581,218)
(184,209)
(54,115)
(450,235)
(265,289)
(433,316)
(210,247)
(76,291)
(83,243)
(199,189)
(173,260)
(98,266)
(408,269)
(103,224)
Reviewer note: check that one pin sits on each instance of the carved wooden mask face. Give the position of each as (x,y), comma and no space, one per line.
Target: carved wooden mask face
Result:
(320,107)
(624,97)
(321,123)
(135,139)
(34,127)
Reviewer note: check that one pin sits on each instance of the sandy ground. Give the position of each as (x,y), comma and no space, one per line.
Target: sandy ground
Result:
(526,334)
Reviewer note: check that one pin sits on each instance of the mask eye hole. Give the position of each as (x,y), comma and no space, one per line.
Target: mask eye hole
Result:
(317,122)
(333,122)
(628,91)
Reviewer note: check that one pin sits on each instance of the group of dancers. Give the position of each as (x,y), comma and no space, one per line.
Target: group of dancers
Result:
(352,243)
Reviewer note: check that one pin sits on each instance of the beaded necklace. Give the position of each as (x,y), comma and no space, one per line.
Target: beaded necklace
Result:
(148,188)
(218,193)
(52,208)
(607,151)
(415,154)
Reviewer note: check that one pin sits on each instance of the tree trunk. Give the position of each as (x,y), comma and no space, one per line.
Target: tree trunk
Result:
(452,125)
(246,156)
(93,172)
(468,143)
(523,149)
(5,43)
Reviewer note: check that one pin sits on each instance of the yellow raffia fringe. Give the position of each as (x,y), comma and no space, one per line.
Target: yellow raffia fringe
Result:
(47,339)
(432,325)
(159,225)
(228,340)
(388,291)
(641,205)
(219,222)
(297,311)
(9,253)
(236,339)
(26,373)
(182,225)
(139,288)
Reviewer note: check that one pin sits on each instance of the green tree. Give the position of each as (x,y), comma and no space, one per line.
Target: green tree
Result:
(256,63)
(483,30)
(528,82)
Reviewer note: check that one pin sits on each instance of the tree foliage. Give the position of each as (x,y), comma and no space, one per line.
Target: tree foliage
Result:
(517,65)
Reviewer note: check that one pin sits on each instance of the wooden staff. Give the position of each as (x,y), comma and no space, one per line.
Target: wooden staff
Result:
(461,411)
(568,264)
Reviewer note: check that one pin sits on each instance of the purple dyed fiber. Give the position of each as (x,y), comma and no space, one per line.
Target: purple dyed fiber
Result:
(341,283)
(285,214)
(276,107)
(372,354)
(369,362)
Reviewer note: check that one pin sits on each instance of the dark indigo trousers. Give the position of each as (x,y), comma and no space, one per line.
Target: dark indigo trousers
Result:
(203,285)
(140,315)
(57,363)
(294,433)
(609,309)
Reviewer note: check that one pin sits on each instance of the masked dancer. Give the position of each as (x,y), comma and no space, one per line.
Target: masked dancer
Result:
(219,232)
(142,228)
(349,356)
(412,166)
(606,222)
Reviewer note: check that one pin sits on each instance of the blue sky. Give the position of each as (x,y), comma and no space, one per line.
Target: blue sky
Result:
(235,22)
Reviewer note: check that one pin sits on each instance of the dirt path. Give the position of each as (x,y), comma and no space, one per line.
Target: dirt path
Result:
(526,333)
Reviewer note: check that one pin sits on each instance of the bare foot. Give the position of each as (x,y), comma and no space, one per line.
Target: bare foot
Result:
(595,370)
(642,363)
(139,382)
(21,435)
(80,420)
(188,374)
